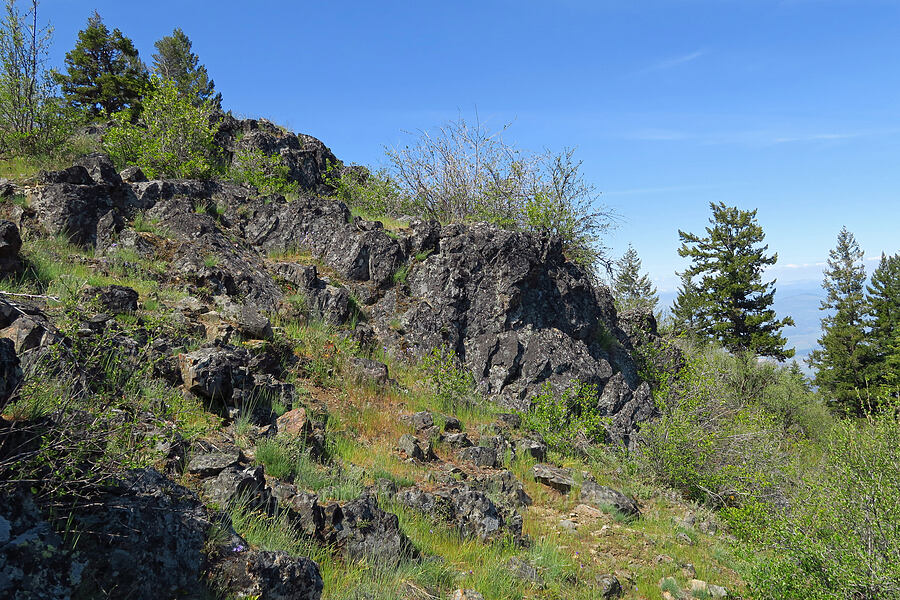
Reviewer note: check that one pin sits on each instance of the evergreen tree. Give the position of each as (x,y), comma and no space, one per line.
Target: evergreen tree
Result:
(174,60)
(841,358)
(686,308)
(104,73)
(883,307)
(632,289)
(734,303)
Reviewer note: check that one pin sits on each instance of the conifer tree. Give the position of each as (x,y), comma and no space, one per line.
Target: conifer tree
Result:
(735,306)
(104,73)
(686,308)
(632,289)
(841,358)
(883,307)
(174,60)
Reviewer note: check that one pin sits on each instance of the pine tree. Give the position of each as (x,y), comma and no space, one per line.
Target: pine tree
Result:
(883,307)
(104,73)
(841,358)
(734,303)
(686,308)
(632,289)
(174,60)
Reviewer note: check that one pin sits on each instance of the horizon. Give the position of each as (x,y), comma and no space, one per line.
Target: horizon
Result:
(787,107)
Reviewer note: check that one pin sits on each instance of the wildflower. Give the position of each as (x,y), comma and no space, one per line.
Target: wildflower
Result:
(238,548)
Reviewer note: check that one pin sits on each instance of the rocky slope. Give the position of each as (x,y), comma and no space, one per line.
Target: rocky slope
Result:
(229,286)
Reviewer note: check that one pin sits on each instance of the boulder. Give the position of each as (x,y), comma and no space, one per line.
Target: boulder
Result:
(366,370)
(457,440)
(480,456)
(471,511)
(114,298)
(535,448)
(600,496)
(556,477)
(268,576)
(10,245)
(416,449)
(132,174)
(146,538)
(367,532)
(252,324)
(212,463)
(10,371)
(246,485)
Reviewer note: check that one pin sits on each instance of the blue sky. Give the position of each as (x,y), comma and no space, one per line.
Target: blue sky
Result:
(790,107)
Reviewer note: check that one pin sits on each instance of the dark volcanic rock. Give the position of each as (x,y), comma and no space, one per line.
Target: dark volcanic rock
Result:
(469,510)
(212,463)
(268,576)
(144,539)
(114,298)
(10,371)
(479,455)
(366,531)
(10,245)
(598,495)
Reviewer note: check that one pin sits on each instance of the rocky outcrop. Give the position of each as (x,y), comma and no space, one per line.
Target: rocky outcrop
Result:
(556,477)
(365,531)
(306,158)
(469,510)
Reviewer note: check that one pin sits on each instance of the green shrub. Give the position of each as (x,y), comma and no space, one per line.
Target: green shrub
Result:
(174,138)
(451,382)
(839,536)
(266,173)
(563,420)
(370,194)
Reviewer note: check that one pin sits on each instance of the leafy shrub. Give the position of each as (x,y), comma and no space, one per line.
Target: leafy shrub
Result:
(174,137)
(370,194)
(839,537)
(730,428)
(567,419)
(451,382)
(267,173)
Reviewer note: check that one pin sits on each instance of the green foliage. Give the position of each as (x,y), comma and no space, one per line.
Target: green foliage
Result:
(631,289)
(462,172)
(266,173)
(33,121)
(734,303)
(174,137)
(841,358)
(104,74)
(175,61)
(883,308)
(730,428)
(451,382)
(840,535)
(371,194)
(687,308)
(565,419)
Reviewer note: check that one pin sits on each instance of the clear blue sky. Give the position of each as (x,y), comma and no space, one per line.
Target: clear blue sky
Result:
(790,107)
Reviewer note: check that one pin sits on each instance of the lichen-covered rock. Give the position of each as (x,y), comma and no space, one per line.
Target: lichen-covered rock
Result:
(480,456)
(365,531)
(471,511)
(598,495)
(268,576)
(556,477)
(211,464)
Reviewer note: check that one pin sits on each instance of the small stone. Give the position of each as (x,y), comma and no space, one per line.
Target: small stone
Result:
(409,445)
(717,591)
(523,570)
(598,495)
(452,424)
(683,538)
(458,440)
(689,571)
(421,420)
(569,525)
(587,513)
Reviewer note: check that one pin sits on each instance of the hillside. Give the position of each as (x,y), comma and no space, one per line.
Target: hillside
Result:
(212,392)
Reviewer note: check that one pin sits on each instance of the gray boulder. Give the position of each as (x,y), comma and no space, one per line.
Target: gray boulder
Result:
(114,298)
(268,576)
(365,531)
(479,455)
(599,496)
(556,477)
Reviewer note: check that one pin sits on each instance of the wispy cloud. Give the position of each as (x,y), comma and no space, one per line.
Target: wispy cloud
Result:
(817,137)
(671,62)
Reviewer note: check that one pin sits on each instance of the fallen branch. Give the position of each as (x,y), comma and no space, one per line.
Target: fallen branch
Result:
(41,296)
